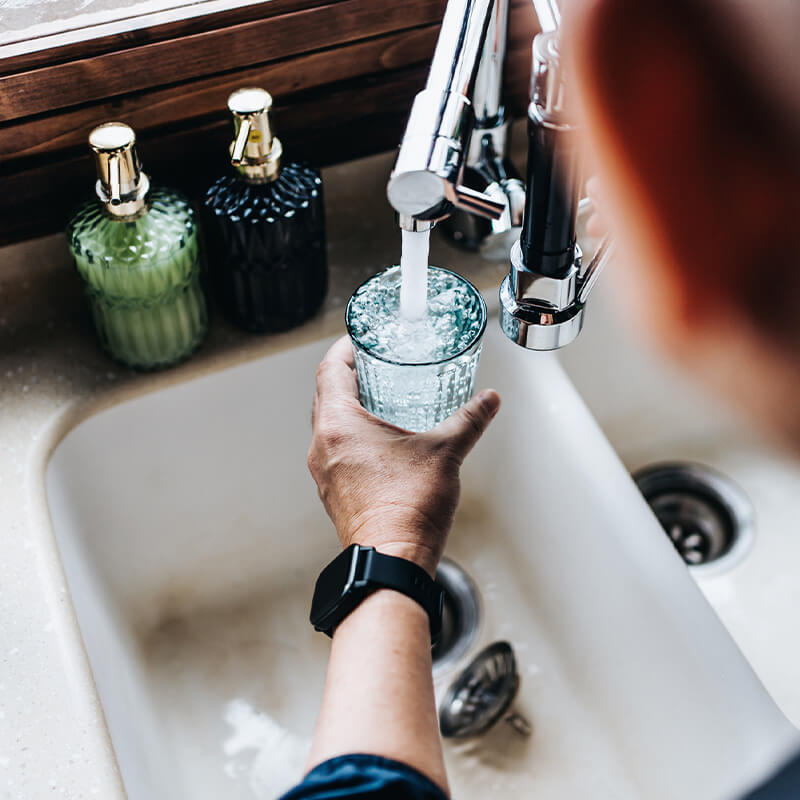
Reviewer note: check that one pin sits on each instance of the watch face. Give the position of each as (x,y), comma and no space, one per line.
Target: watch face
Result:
(331,584)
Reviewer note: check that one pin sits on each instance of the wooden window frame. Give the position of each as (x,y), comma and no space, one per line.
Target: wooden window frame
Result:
(342,73)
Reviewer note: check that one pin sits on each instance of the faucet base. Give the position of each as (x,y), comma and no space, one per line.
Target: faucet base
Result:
(538,327)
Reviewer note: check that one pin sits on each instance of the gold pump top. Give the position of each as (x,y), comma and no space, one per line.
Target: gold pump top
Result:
(255,152)
(121,185)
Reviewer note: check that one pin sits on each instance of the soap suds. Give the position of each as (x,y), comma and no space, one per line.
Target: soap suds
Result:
(279,757)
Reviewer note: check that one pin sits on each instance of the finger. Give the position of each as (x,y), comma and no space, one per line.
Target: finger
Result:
(463,429)
(335,376)
(342,350)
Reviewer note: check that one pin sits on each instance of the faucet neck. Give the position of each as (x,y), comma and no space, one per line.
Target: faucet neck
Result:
(487,94)
(554,168)
(551,202)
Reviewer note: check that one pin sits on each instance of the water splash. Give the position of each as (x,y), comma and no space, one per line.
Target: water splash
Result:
(453,320)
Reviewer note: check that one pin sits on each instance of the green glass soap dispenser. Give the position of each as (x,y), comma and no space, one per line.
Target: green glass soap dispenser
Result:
(137,250)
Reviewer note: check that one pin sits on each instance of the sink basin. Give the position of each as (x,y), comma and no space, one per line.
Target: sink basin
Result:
(191,535)
(651,413)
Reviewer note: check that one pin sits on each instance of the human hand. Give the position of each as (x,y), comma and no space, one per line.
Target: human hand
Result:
(382,486)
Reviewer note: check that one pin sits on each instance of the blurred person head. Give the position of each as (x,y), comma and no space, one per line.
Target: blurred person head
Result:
(691,118)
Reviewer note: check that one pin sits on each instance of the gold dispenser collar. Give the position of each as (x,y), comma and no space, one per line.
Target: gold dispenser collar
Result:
(121,185)
(255,152)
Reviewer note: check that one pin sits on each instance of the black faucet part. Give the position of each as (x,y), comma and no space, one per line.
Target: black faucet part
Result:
(551,204)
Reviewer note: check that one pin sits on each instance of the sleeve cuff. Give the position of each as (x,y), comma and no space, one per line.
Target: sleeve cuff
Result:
(367,777)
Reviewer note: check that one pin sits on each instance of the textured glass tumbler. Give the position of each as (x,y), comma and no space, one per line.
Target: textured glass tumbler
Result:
(411,393)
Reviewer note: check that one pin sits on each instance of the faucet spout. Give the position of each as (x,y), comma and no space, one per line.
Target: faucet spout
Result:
(425,181)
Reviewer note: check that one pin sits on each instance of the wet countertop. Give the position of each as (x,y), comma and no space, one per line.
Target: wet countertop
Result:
(53,738)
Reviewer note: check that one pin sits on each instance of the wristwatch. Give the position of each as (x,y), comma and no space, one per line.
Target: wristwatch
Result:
(358,572)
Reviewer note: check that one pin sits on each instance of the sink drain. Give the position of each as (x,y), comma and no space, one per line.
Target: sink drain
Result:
(483,694)
(460,614)
(706,515)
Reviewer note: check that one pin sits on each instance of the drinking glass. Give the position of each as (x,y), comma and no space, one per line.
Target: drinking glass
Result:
(415,374)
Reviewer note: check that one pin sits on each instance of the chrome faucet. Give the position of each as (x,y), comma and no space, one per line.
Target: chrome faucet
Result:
(486,166)
(452,160)
(426,181)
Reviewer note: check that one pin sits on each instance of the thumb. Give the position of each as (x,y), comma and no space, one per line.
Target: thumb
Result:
(462,429)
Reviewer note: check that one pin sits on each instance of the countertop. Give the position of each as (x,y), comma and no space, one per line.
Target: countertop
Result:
(53,738)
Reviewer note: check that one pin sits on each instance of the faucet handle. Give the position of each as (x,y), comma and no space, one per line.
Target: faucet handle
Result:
(475,202)
(595,267)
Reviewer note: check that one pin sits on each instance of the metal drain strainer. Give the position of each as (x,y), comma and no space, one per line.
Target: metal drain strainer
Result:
(483,694)
(461,614)
(708,517)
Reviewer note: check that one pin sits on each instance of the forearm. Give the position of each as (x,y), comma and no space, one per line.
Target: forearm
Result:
(379,688)
(395,491)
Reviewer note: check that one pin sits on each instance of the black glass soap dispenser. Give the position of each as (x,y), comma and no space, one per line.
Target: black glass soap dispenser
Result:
(265,227)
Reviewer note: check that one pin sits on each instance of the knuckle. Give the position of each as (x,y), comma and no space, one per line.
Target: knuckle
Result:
(440,445)
(440,457)
(322,370)
(448,465)
(474,419)
(332,439)
(329,435)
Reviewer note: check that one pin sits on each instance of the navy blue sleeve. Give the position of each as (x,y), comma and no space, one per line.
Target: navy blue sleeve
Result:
(367,778)
(784,785)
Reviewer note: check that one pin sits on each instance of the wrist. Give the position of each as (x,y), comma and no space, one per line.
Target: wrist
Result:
(411,537)
(360,571)
(388,611)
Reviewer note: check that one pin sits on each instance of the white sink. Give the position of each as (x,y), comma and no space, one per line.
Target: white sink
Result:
(191,534)
(651,412)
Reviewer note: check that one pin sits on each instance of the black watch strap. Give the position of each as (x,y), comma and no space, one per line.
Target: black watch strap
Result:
(357,572)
